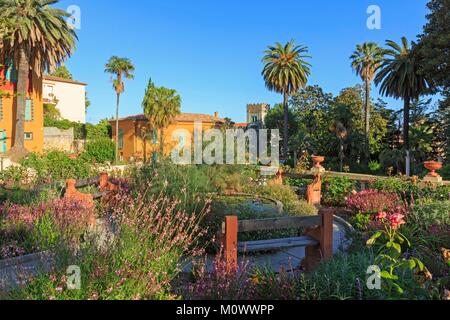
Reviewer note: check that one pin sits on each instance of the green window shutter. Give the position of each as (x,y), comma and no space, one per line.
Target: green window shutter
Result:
(1,108)
(2,141)
(10,71)
(120,138)
(154,156)
(155,137)
(29,112)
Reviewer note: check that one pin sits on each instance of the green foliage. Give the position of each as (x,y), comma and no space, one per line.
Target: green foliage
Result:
(392,261)
(100,150)
(433,45)
(51,112)
(62,72)
(361,221)
(374,166)
(101,130)
(161,105)
(336,189)
(292,204)
(79,129)
(275,119)
(57,166)
(45,234)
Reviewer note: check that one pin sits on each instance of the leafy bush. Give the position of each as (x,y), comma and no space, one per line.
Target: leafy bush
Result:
(374,166)
(292,204)
(445,172)
(100,150)
(79,129)
(57,166)
(336,189)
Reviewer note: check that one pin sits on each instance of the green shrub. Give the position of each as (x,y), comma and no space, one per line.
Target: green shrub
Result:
(344,277)
(445,172)
(57,166)
(291,203)
(336,189)
(100,150)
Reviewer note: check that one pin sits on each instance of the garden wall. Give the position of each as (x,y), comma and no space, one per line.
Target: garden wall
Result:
(58,139)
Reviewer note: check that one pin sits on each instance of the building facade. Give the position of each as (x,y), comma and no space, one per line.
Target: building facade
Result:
(256,112)
(69,96)
(135,139)
(34,115)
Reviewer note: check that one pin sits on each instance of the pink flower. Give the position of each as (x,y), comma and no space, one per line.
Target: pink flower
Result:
(396,220)
(381,215)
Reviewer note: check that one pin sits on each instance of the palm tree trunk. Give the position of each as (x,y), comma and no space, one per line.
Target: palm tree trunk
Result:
(21,99)
(285,124)
(367,117)
(117,127)
(341,155)
(406,108)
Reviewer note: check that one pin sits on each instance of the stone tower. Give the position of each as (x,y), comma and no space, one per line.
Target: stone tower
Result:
(256,112)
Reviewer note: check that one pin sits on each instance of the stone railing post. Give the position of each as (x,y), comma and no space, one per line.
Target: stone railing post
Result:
(314,190)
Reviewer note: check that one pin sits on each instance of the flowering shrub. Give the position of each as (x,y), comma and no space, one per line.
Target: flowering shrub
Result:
(65,218)
(392,258)
(221,283)
(152,237)
(372,201)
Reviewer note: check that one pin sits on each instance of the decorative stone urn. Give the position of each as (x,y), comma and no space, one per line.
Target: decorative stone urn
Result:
(432,166)
(317,163)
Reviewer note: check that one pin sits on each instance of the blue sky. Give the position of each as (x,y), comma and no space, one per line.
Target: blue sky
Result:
(210,50)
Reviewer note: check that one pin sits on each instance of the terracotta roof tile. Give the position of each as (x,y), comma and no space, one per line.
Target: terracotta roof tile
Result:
(183,117)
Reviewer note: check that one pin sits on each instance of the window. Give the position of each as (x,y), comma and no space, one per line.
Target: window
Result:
(2,141)
(155,137)
(120,138)
(10,71)
(28,136)
(182,142)
(29,112)
(1,109)
(254,119)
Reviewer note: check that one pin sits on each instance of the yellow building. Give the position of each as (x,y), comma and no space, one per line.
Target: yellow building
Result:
(133,129)
(34,113)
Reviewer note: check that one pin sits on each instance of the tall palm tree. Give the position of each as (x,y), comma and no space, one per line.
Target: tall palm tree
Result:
(121,68)
(366,59)
(161,106)
(400,79)
(40,40)
(286,71)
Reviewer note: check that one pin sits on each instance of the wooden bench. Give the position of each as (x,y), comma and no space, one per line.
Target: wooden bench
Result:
(317,238)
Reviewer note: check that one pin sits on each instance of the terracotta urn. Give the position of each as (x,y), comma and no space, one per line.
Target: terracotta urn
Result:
(317,161)
(433,166)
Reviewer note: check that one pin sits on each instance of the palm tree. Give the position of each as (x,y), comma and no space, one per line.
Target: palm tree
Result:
(121,68)
(40,40)
(285,71)
(161,106)
(400,79)
(366,59)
